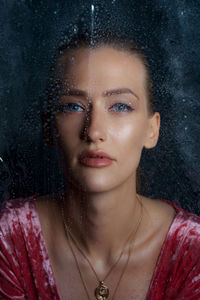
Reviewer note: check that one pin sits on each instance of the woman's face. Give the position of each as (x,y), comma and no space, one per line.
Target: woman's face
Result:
(103,106)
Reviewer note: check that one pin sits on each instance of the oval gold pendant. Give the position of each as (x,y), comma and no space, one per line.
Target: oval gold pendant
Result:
(102,291)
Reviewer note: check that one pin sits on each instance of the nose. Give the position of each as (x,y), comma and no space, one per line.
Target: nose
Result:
(94,127)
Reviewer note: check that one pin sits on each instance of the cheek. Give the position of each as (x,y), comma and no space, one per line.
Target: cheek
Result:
(130,134)
(68,139)
(129,140)
(68,129)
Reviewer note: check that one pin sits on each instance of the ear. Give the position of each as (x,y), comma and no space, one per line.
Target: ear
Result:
(48,130)
(153,131)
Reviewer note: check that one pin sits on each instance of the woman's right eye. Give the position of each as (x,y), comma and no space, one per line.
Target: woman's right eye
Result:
(70,107)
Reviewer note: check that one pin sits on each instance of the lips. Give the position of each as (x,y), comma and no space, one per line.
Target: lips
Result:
(95,159)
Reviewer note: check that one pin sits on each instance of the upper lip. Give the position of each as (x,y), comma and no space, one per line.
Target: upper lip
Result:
(94,154)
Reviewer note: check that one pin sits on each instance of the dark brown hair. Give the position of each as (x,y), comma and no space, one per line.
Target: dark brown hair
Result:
(85,40)
(101,38)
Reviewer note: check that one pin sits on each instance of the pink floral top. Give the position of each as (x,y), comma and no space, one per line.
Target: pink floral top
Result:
(26,271)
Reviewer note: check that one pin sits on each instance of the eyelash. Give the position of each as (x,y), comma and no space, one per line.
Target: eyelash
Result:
(69,107)
(66,106)
(128,107)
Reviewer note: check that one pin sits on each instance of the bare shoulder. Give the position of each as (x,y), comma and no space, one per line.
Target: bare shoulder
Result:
(48,212)
(159,215)
(46,205)
(159,208)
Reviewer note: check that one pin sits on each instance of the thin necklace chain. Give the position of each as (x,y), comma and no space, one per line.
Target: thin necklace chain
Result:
(81,276)
(77,265)
(71,237)
(81,251)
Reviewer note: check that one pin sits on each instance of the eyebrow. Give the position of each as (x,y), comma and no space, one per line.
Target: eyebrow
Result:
(120,91)
(76,92)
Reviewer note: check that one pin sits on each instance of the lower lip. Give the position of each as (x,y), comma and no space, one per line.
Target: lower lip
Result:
(96,162)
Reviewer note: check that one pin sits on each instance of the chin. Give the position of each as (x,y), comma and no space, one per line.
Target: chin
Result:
(93,184)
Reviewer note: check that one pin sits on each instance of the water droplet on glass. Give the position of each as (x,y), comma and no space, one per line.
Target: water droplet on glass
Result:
(75,28)
(92,23)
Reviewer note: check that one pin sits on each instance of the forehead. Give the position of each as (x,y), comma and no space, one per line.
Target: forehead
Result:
(103,67)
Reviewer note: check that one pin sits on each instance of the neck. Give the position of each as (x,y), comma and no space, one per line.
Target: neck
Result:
(102,222)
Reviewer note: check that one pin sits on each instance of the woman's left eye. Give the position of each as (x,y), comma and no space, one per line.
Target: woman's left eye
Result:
(121,107)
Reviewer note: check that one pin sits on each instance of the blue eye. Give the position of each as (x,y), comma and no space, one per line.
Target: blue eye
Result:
(121,107)
(70,107)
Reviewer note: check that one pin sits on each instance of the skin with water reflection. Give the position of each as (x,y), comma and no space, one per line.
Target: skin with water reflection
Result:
(103,106)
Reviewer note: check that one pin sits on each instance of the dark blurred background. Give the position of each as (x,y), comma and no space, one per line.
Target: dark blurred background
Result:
(169,32)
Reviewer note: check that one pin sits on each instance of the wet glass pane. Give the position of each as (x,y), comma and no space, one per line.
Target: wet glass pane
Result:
(83,85)
(31,31)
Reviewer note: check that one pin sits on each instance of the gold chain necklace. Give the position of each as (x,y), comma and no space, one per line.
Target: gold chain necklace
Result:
(102,291)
